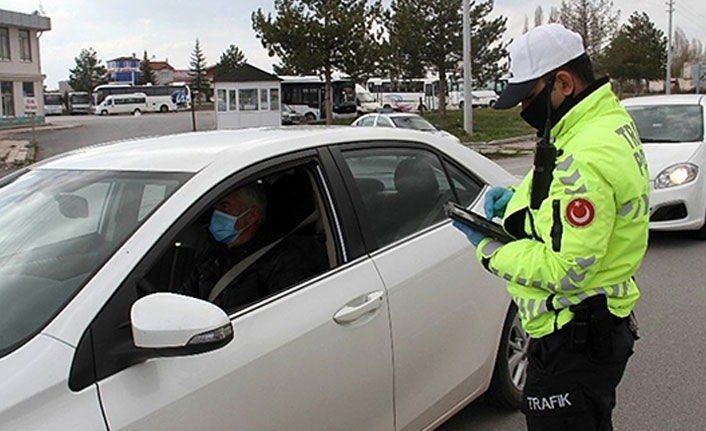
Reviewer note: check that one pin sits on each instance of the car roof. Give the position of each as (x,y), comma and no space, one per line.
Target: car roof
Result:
(192,152)
(665,99)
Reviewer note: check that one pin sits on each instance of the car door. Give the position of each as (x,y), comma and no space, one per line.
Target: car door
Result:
(446,311)
(316,355)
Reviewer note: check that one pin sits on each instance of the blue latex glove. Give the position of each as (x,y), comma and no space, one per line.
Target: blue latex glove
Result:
(496,201)
(473,235)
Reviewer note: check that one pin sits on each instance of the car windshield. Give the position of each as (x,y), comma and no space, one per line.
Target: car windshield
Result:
(58,228)
(412,122)
(365,97)
(80,99)
(668,123)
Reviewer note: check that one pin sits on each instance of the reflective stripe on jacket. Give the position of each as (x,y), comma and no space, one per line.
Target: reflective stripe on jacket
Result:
(590,234)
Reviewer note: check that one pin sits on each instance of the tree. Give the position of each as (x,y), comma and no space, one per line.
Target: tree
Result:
(429,33)
(88,72)
(538,16)
(317,36)
(685,52)
(554,15)
(231,58)
(594,20)
(637,53)
(198,70)
(146,72)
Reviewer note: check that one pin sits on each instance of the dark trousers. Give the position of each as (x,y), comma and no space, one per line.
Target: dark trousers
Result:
(574,390)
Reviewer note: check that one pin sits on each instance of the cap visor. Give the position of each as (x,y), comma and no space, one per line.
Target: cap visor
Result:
(514,93)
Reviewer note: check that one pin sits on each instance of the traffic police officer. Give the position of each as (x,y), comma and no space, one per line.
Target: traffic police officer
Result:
(570,271)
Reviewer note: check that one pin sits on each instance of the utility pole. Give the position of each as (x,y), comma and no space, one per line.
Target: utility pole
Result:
(668,88)
(467,94)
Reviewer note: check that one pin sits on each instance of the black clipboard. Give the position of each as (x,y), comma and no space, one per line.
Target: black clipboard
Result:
(460,214)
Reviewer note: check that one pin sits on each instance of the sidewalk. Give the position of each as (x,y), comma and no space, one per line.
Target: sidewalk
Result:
(512,147)
(38,128)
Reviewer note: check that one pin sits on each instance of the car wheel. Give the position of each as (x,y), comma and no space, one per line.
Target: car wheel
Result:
(510,365)
(137,112)
(310,117)
(491,104)
(460,104)
(164,108)
(104,112)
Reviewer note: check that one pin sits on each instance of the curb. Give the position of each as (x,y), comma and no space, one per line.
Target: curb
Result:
(11,131)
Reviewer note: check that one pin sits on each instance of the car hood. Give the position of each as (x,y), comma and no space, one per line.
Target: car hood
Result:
(661,156)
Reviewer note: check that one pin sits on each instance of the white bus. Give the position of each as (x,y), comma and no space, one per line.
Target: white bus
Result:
(79,102)
(160,98)
(305,94)
(53,103)
(405,95)
(135,104)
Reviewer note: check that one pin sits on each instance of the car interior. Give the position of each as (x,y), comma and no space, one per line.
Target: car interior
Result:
(295,210)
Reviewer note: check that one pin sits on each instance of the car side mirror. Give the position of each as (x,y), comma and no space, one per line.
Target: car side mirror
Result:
(72,206)
(178,325)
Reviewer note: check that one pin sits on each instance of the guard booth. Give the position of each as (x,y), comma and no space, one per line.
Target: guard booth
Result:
(247,97)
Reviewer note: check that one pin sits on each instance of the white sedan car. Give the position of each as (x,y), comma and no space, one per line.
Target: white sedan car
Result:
(401,120)
(672,132)
(94,245)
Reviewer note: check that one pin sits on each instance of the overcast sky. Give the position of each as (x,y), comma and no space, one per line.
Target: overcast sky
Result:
(168,29)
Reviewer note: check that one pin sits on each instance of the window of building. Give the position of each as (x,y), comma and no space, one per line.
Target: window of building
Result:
(28,89)
(232,101)
(7,99)
(248,100)
(403,189)
(263,99)
(274,99)
(4,43)
(221,100)
(25,46)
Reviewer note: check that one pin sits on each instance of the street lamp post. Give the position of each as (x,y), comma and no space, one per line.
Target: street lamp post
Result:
(467,94)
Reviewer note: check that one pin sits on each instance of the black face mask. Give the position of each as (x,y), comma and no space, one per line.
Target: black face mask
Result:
(535,114)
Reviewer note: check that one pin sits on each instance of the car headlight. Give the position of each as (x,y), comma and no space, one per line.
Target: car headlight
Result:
(676,175)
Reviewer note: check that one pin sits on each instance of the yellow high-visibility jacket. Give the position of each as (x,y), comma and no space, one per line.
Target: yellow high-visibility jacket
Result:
(589,235)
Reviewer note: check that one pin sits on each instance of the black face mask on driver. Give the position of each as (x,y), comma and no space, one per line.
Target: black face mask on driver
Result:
(535,114)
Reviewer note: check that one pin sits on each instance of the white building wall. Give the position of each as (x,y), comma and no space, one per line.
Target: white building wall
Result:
(235,108)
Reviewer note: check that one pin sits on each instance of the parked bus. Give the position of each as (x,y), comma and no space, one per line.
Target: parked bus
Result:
(305,94)
(160,98)
(134,103)
(406,94)
(53,103)
(79,102)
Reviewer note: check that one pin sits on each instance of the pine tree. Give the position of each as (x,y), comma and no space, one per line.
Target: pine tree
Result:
(198,70)
(146,72)
(638,52)
(317,36)
(88,72)
(231,58)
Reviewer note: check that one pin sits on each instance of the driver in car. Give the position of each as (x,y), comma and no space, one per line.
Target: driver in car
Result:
(242,260)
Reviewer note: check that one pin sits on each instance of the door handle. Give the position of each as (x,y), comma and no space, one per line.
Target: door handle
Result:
(359,307)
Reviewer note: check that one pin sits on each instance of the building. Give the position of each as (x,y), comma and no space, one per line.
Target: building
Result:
(247,97)
(163,72)
(21,78)
(124,70)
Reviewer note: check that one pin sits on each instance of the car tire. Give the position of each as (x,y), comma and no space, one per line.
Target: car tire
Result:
(701,233)
(137,112)
(460,104)
(164,108)
(104,112)
(510,365)
(310,117)
(491,103)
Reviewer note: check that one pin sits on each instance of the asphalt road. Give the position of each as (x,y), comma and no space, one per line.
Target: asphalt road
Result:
(93,129)
(664,387)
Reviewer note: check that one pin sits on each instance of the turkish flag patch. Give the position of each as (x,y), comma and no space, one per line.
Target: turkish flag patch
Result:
(580,212)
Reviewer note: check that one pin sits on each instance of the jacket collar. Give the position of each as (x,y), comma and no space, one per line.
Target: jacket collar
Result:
(591,102)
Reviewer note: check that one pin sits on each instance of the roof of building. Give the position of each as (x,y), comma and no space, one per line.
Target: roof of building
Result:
(32,21)
(244,73)
(160,65)
(182,75)
(125,58)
